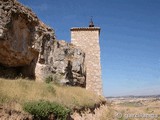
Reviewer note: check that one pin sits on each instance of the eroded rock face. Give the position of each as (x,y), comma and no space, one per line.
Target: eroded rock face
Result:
(16,34)
(62,60)
(29,45)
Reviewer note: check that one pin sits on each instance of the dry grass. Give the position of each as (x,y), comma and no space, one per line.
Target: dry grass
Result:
(107,114)
(118,110)
(21,90)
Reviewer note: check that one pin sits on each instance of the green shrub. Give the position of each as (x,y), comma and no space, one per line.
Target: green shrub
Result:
(4,98)
(49,79)
(54,78)
(42,109)
(51,89)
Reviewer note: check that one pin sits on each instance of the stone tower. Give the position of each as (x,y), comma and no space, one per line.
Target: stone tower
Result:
(87,38)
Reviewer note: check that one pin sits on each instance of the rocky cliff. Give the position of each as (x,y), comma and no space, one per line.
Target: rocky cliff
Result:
(29,48)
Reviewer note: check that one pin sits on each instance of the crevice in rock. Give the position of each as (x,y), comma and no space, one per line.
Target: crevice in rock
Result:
(69,74)
(27,71)
(10,72)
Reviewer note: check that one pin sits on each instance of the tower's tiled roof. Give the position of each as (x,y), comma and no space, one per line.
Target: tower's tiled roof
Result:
(85,28)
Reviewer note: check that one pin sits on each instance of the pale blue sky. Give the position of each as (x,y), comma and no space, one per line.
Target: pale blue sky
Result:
(129,41)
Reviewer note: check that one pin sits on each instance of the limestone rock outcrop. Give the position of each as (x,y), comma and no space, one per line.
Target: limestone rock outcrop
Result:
(64,62)
(30,47)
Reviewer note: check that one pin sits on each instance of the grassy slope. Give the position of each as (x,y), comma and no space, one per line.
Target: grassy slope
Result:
(21,91)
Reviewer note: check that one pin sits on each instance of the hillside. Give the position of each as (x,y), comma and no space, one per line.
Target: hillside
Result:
(14,93)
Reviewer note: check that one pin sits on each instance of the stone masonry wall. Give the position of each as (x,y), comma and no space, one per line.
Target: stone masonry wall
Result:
(88,40)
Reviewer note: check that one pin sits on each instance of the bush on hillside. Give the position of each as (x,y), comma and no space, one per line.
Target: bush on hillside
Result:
(43,109)
(55,78)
